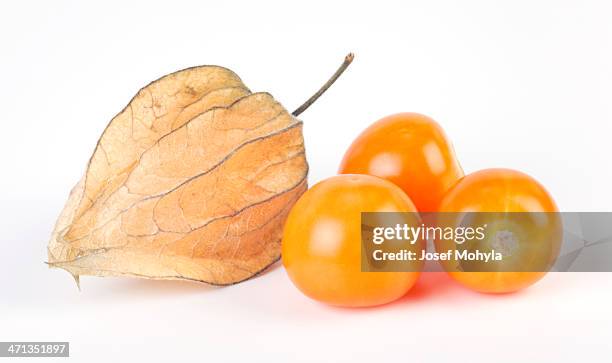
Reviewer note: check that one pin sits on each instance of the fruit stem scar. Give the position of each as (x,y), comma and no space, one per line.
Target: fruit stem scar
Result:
(347,61)
(505,242)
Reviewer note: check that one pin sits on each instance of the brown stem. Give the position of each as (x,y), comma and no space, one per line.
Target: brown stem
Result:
(347,60)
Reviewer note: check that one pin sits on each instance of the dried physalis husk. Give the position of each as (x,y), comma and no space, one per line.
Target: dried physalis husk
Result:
(192,180)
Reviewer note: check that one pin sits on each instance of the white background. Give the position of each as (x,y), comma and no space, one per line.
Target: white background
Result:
(520,84)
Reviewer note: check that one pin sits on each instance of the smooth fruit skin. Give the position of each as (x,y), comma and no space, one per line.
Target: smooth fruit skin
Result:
(410,150)
(499,190)
(321,246)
